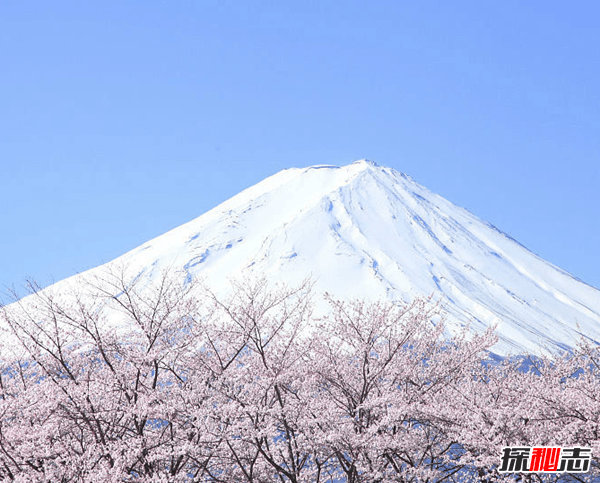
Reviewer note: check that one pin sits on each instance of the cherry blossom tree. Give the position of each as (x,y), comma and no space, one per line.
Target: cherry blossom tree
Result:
(137,379)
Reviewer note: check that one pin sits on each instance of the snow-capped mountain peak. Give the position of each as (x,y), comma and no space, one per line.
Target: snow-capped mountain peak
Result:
(368,231)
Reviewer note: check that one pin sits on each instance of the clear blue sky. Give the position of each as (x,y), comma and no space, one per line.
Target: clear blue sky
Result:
(122,120)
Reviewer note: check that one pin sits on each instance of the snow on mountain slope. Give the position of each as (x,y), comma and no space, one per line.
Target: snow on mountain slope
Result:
(368,231)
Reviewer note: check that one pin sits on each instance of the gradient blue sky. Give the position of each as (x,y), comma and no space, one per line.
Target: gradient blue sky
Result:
(122,120)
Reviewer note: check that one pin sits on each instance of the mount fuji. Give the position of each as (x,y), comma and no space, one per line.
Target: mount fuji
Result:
(368,231)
